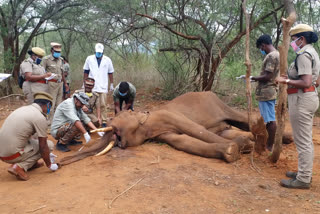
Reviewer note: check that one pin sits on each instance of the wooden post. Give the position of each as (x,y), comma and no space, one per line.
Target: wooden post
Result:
(282,100)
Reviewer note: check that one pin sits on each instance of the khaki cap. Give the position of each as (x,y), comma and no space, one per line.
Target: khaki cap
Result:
(43,95)
(299,28)
(38,51)
(56,46)
(89,81)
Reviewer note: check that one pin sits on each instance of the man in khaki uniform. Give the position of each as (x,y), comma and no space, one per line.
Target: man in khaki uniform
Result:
(93,108)
(34,74)
(23,137)
(266,91)
(53,63)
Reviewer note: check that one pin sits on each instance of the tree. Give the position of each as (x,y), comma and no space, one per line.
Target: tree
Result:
(26,17)
(207,28)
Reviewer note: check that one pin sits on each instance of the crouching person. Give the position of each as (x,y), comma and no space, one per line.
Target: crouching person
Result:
(23,137)
(68,122)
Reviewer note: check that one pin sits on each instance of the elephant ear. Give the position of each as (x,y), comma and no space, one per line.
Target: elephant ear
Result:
(142,117)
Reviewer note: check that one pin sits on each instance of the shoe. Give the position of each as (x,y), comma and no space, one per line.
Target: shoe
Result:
(19,172)
(36,165)
(291,174)
(294,184)
(62,147)
(74,142)
(294,175)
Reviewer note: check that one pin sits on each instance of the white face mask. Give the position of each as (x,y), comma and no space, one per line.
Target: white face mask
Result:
(295,47)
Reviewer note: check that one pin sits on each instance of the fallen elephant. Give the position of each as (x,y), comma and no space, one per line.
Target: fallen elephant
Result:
(198,123)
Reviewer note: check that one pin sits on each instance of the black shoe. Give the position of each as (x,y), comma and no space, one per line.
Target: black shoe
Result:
(74,142)
(291,174)
(294,175)
(294,184)
(62,147)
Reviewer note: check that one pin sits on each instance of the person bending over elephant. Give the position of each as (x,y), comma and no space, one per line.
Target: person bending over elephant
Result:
(124,92)
(67,122)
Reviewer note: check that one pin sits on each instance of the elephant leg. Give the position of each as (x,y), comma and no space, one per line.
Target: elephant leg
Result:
(245,140)
(227,151)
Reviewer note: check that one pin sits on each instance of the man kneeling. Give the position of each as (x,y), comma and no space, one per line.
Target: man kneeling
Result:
(23,137)
(67,122)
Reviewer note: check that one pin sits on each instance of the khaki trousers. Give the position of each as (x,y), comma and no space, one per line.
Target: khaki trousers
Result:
(56,91)
(30,155)
(103,106)
(302,107)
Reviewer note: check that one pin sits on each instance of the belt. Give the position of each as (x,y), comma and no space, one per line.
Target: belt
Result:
(14,156)
(40,81)
(295,90)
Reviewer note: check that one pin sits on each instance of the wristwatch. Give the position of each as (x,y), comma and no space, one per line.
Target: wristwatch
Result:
(287,80)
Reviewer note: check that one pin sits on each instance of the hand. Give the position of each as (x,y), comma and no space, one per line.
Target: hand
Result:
(281,79)
(111,87)
(87,137)
(47,74)
(100,134)
(53,167)
(52,157)
(85,108)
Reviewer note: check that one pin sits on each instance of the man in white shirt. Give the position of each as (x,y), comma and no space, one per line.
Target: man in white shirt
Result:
(100,68)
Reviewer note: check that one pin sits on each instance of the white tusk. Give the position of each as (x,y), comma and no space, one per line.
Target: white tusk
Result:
(107,149)
(106,129)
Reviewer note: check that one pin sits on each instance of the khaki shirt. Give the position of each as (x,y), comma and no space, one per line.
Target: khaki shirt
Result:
(268,90)
(53,65)
(306,64)
(66,112)
(19,126)
(130,95)
(28,65)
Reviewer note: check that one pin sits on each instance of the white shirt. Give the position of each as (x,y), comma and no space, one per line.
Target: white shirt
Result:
(99,74)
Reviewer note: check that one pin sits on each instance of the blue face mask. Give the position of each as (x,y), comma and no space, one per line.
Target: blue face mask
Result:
(38,61)
(123,94)
(48,108)
(56,54)
(263,52)
(99,55)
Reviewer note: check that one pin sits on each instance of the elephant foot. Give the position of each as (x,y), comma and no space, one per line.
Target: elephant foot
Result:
(232,153)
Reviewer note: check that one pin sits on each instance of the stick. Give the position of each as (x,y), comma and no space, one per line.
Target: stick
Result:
(31,211)
(21,95)
(123,192)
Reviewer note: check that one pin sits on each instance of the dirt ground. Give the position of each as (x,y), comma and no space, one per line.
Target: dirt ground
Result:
(155,178)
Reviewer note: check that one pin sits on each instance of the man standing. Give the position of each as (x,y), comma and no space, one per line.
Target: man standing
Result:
(18,144)
(67,122)
(266,91)
(34,74)
(100,68)
(67,74)
(53,63)
(124,92)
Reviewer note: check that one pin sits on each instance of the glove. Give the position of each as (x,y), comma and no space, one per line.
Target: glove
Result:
(87,137)
(100,134)
(111,87)
(54,167)
(53,157)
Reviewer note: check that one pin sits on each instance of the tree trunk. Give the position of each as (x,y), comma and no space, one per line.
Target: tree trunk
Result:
(282,101)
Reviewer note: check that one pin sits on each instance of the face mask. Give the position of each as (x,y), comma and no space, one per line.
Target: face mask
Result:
(56,54)
(98,55)
(38,61)
(123,94)
(295,47)
(263,52)
(48,108)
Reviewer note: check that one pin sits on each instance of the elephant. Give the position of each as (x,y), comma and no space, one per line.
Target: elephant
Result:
(198,123)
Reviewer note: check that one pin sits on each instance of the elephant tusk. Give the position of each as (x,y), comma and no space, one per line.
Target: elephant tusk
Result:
(107,149)
(106,129)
